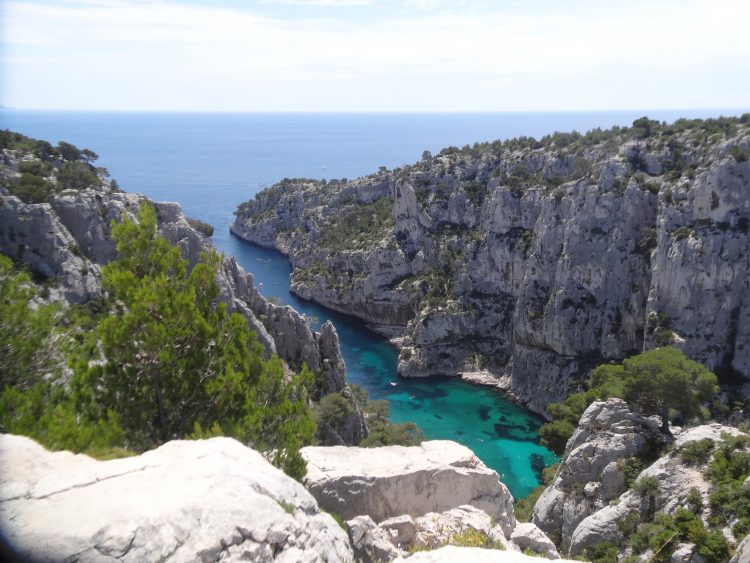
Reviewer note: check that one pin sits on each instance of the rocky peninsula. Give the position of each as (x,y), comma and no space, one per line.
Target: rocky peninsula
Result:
(534,261)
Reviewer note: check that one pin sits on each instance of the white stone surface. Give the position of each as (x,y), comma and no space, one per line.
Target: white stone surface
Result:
(186,501)
(452,554)
(394,480)
(528,536)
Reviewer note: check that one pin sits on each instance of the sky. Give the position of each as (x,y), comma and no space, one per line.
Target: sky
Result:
(374,55)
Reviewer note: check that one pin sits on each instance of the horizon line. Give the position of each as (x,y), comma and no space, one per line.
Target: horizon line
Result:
(383,112)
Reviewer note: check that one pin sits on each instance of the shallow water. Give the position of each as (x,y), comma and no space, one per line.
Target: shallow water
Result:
(212,162)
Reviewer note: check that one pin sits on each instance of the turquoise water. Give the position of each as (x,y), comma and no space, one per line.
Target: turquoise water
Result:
(212,162)
(501,433)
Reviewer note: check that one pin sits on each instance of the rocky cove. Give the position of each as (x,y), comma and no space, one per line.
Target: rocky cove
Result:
(499,431)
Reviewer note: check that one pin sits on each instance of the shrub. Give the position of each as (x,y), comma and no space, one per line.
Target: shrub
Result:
(30,188)
(603,552)
(384,433)
(26,345)
(646,486)
(202,227)
(632,467)
(697,452)
(695,500)
(555,435)
(474,538)
(682,233)
(77,176)
(333,411)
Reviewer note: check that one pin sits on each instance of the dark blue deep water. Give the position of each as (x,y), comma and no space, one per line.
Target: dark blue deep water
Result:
(212,162)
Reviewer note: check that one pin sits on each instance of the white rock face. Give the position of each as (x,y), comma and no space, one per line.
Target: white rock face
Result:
(394,480)
(452,554)
(434,530)
(370,541)
(742,555)
(591,472)
(528,536)
(202,501)
(588,499)
(378,542)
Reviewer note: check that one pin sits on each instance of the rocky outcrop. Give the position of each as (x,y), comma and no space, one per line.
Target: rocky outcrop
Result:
(404,499)
(465,524)
(590,501)
(742,555)
(529,536)
(434,530)
(533,260)
(34,235)
(185,501)
(68,240)
(592,471)
(394,480)
(370,541)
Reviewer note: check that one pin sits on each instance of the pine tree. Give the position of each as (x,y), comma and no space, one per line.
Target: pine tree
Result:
(175,363)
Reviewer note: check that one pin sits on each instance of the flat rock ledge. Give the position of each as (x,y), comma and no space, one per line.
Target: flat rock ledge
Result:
(391,481)
(204,500)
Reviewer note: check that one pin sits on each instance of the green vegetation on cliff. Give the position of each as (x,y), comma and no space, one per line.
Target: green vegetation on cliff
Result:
(660,533)
(358,226)
(65,167)
(658,382)
(335,411)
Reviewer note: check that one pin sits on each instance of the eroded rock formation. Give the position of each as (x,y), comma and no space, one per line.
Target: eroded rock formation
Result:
(590,500)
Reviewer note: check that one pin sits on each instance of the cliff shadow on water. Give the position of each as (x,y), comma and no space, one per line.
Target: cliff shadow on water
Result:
(502,433)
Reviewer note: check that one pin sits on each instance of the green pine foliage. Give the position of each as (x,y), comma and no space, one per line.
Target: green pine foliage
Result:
(728,470)
(25,348)
(162,359)
(384,433)
(657,382)
(65,167)
(665,532)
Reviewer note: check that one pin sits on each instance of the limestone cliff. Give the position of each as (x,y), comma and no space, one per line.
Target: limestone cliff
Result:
(534,260)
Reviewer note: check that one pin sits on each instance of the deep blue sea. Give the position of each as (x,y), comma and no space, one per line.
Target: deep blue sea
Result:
(211,162)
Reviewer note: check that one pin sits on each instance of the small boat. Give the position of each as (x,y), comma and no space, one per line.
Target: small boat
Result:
(393,383)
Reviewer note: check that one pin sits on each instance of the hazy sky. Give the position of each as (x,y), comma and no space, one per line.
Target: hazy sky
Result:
(374,55)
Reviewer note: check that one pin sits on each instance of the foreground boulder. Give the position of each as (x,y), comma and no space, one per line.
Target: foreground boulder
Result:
(186,501)
(395,480)
(452,554)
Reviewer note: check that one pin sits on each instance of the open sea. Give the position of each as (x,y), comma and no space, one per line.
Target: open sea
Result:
(211,162)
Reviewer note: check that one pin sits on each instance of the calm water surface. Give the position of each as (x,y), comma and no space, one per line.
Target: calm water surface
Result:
(212,162)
